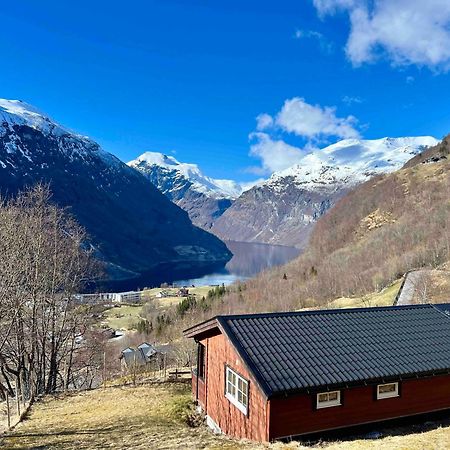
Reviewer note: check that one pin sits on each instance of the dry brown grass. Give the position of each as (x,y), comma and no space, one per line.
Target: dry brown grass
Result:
(144,417)
(153,417)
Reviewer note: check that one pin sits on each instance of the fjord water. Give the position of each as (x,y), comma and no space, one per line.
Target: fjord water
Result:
(248,260)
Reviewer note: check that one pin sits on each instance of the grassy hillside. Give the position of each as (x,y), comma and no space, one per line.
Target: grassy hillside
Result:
(383,228)
(155,417)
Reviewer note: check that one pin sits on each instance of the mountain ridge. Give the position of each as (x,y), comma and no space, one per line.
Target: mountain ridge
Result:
(204,198)
(283,209)
(131,224)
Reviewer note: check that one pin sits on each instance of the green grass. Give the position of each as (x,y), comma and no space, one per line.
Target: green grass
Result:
(123,317)
(198,292)
(384,298)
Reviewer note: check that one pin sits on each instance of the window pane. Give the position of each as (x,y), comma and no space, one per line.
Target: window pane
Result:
(239,396)
(323,397)
(385,388)
(332,396)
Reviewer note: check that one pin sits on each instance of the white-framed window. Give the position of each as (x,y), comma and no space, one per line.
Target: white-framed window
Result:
(387,390)
(236,390)
(328,399)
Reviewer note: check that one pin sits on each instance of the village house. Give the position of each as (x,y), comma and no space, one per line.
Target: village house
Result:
(183,292)
(280,375)
(137,357)
(143,355)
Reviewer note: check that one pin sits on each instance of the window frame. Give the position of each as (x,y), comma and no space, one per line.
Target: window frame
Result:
(233,379)
(384,395)
(328,403)
(201,361)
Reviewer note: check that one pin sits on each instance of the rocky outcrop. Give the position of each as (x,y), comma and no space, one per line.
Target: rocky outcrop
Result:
(205,199)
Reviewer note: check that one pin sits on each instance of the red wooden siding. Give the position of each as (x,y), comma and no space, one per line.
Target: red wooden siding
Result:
(229,418)
(199,391)
(297,414)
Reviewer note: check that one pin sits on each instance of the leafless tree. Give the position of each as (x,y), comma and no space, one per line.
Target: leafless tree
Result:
(43,265)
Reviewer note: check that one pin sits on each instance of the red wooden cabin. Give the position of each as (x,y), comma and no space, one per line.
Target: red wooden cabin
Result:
(280,375)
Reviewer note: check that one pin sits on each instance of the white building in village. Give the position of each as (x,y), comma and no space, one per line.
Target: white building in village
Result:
(127,297)
(109,297)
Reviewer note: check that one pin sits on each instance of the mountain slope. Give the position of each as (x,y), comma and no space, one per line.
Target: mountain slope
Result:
(283,209)
(205,199)
(381,229)
(133,226)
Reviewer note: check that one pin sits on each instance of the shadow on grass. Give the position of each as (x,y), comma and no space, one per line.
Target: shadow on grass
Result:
(59,433)
(405,426)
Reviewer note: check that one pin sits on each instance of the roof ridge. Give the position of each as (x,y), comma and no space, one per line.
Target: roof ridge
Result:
(435,306)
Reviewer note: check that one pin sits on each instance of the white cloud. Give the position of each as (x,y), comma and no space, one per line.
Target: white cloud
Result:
(406,31)
(313,121)
(264,121)
(275,155)
(331,6)
(410,80)
(349,100)
(324,43)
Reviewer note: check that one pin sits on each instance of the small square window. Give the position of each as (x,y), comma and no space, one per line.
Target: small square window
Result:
(328,399)
(388,390)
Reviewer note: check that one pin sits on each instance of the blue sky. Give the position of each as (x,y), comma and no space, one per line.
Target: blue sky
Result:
(191,76)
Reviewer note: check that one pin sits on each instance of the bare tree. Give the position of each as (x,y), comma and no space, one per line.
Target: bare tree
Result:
(44,264)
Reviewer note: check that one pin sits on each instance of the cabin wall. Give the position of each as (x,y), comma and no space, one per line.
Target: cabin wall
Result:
(199,390)
(217,407)
(297,415)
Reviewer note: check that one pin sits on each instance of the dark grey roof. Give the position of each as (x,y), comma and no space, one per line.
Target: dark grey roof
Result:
(307,351)
(140,356)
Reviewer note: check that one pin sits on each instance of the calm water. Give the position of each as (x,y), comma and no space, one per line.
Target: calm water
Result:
(249,259)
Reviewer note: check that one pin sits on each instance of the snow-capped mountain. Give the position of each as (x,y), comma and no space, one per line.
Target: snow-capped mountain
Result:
(283,209)
(205,199)
(181,172)
(133,226)
(352,161)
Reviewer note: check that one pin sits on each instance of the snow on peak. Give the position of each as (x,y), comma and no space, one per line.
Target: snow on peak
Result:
(352,161)
(210,187)
(157,159)
(17,112)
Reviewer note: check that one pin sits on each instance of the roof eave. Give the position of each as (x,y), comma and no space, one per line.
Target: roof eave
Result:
(359,383)
(200,328)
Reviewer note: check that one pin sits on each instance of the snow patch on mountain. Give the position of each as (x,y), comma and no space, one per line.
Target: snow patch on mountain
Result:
(18,113)
(213,188)
(350,162)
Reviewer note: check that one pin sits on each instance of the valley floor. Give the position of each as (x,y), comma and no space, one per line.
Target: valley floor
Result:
(154,417)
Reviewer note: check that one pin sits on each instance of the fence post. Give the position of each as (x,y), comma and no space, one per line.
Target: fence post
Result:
(104,369)
(8,411)
(18,396)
